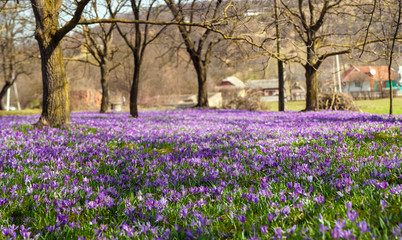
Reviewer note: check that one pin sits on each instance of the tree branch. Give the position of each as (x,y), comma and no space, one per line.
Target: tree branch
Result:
(72,23)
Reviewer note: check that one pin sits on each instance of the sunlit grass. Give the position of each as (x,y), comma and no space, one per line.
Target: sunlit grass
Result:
(378,106)
(21,112)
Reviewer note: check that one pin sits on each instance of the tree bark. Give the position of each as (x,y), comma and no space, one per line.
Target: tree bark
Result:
(202,98)
(3,92)
(398,23)
(311,67)
(312,88)
(105,72)
(281,81)
(56,99)
(134,89)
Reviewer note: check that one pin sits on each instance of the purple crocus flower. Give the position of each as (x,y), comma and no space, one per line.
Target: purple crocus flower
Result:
(383,204)
(270,216)
(336,233)
(264,229)
(189,234)
(382,185)
(103,227)
(241,218)
(24,232)
(319,199)
(5,231)
(285,210)
(159,217)
(363,227)
(289,185)
(278,232)
(292,229)
(396,231)
(51,228)
(340,223)
(347,234)
(322,228)
(352,215)
(348,205)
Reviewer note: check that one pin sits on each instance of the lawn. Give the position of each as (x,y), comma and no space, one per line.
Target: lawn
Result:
(20,113)
(202,174)
(379,106)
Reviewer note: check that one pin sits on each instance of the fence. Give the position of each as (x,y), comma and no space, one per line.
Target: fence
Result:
(368,95)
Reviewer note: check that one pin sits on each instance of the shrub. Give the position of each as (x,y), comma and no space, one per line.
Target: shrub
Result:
(337,101)
(251,101)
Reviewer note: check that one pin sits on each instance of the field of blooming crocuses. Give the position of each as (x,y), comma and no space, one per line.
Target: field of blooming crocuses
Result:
(202,174)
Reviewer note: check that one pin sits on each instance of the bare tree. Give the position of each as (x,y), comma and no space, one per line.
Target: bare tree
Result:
(13,54)
(383,30)
(142,36)
(389,17)
(198,46)
(281,79)
(98,42)
(49,34)
(308,18)
(397,24)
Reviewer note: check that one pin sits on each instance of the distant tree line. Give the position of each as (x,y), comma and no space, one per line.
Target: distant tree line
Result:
(290,31)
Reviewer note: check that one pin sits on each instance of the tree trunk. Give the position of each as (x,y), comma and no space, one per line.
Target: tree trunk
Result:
(281,81)
(105,87)
(391,97)
(202,98)
(56,99)
(3,92)
(312,88)
(311,67)
(134,89)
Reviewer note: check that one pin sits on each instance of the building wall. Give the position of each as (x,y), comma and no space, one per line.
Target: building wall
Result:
(351,86)
(395,85)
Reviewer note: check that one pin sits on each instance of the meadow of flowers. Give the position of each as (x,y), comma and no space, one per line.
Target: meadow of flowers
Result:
(202,174)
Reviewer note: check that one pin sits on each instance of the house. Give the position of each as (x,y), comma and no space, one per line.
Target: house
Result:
(367,79)
(267,87)
(297,92)
(231,83)
(230,89)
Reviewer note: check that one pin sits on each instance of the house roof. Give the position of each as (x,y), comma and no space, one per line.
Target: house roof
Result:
(378,73)
(263,84)
(297,88)
(232,82)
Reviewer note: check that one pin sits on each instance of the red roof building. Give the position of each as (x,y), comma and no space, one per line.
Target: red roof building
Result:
(366,78)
